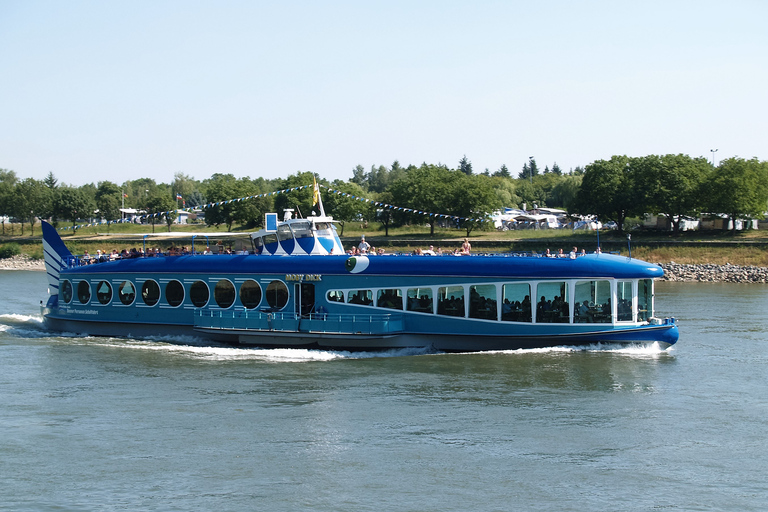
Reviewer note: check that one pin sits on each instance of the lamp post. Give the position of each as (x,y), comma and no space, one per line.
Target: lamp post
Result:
(713,156)
(530,169)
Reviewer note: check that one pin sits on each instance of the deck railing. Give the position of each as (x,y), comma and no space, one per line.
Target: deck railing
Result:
(290,322)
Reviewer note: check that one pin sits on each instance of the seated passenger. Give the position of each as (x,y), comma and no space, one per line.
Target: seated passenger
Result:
(583,312)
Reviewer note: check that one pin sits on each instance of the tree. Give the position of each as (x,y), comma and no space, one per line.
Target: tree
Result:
(185,186)
(673,185)
(530,169)
(344,208)
(358,176)
(474,199)
(531,195)
(739,189)
(108,201)
(300,200)
(161,204)
(50,181)
(250,212)
(503,172)
(8,181)
(71,203)
(465,166)
(506,192)
(32,201)
(564,193)
(219,189)
(424,189)
(608,190)
(138,192)
(383,214)
(378,179)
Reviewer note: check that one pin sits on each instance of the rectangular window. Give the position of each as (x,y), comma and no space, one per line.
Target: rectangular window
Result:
(284,232)
(482,302)
(592,302)
(335,296)
(363,297)
(301,229)
(552,307)
(450,301)
(516,302)
(624,301)
(419,300)
(644,300)
(390,299)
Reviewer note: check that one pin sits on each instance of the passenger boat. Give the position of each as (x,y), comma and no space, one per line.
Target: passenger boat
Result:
(296,287)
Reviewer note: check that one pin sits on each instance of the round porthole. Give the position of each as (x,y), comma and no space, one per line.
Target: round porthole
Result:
(126,292)
(199,294)
(250,294)
(224,293)
(174,293)
(104,292)
(150,293)
(66,291)
(84,292)
(277,294)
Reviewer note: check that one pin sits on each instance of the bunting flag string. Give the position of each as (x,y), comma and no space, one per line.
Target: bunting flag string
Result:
(274,193)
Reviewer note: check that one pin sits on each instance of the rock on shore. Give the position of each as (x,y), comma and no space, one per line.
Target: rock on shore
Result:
(21,262)
(714,273)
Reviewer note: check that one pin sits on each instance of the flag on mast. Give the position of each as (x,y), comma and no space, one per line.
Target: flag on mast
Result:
(316,199)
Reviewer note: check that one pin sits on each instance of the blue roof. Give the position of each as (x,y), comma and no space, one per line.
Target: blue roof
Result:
(501,266)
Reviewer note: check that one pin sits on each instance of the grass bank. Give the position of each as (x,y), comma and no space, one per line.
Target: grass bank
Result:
(748,248)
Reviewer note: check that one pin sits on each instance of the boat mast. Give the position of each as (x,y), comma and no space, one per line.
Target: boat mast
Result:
(316,198)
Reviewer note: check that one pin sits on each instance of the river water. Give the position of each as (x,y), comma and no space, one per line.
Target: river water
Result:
(101,424)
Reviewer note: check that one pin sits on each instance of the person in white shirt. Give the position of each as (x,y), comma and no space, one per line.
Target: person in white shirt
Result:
(363,246)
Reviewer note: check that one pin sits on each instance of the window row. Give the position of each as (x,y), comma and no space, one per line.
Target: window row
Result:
(592,301)
(174,293)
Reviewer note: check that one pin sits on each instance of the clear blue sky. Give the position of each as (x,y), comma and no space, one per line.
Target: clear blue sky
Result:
(95,90)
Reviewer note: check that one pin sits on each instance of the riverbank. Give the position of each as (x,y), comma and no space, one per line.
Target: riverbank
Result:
(710,273)
(705,273)
(21,262)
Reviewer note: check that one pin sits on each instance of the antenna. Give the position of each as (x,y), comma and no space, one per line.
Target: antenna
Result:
(597,230)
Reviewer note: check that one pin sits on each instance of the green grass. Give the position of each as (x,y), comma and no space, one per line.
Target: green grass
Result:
(742,248)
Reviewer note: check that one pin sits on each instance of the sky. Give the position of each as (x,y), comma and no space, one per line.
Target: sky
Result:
(121,90)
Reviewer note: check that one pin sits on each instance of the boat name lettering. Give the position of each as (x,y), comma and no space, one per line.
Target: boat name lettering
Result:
(72,311)
(303,277)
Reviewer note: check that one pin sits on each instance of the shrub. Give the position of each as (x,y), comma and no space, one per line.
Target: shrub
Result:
(9,250)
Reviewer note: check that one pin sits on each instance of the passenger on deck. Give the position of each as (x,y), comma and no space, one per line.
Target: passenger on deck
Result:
(364,246)
(466,248)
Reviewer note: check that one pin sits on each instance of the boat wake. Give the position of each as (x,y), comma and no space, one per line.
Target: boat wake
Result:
(23,326)
(205,350)
(635,349)
(31,326)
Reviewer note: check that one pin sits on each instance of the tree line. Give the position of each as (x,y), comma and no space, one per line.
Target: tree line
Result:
(675,186)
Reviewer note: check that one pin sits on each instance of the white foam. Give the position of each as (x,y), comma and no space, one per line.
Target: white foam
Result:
(16,318)
(639,349)
(202,349)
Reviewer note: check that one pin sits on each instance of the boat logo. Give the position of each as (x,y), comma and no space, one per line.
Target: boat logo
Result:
(356,264)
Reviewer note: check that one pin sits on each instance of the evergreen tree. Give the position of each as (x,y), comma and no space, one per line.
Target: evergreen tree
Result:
(503,172)
(465,166)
